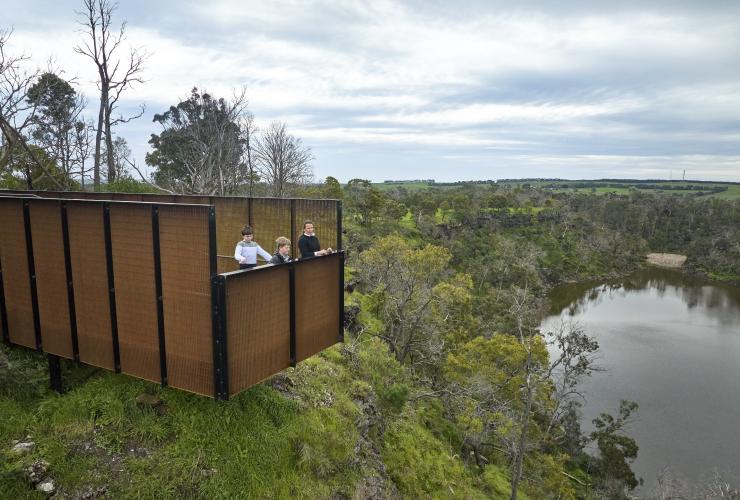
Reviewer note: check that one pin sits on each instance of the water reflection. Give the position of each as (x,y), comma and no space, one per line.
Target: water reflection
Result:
(723,300)
(672,343)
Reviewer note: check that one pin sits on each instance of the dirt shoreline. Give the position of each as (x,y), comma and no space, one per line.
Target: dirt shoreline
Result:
(669,260)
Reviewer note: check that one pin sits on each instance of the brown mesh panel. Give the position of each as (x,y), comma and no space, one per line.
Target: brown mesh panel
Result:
(323,213)
(90,278)
(187,297)
(231,215)
(226,264)
(258,325)
(51,276)
(136,304)
(15,273)
(270,219)
(317,304)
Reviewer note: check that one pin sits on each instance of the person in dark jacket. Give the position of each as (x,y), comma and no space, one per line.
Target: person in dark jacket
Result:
(309,244)
(282,254)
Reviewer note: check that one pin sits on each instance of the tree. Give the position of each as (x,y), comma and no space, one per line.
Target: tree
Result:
(364,200)
(574,359)
(249,131)
(37,170)
(402,282)
(115,76)
(16,114)
(332,188)
(282,160)
(201,147)
(121,158)
(616,451)
(58,124)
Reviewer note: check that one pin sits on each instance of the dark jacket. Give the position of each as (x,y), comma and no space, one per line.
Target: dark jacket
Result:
(277,258)
(308,245)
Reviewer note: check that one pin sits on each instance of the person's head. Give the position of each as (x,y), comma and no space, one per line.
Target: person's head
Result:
(283,245)
(308,227)
(247,232)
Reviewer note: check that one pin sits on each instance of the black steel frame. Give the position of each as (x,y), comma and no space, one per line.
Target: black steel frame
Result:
(339,224)
(32,273)
(111,287)
(55,373)
(3,310)
(291,284)
(70,284)
(218,310)
(158,292)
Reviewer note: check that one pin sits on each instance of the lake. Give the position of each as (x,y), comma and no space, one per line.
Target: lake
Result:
(671,343)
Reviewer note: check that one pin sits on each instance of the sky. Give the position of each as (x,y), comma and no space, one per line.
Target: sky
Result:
(450,91)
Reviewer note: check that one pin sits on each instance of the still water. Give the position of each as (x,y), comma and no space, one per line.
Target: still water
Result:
(671,343)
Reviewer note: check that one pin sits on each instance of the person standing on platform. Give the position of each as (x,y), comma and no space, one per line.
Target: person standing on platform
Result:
(247,250)
(308,243)
(282,254)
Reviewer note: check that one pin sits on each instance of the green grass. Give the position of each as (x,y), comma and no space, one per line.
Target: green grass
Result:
(259,444)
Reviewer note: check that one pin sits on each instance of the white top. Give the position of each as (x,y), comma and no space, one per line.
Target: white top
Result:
(246,252)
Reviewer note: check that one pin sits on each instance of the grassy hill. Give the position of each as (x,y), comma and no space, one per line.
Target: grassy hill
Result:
(336,426)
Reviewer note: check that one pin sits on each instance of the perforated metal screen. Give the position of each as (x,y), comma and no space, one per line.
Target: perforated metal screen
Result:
(136,298)
(187,296)
(317,305)
(51,277)
(16,284)
(258,312)
(141,287)
(90,278)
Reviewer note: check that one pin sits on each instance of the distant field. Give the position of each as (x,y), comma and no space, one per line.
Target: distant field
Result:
(619,186)
(410,185)
(623,186)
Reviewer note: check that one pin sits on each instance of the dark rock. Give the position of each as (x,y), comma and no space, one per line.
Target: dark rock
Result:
(36,472)
(90,492)
(283,384)
(377,485)
(148,401)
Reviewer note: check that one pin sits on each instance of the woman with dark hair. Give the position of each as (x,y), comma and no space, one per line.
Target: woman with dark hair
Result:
(247,250)
(309,244)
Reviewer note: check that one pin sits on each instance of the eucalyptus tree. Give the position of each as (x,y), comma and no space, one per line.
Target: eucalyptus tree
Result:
(201,149)
(58,124)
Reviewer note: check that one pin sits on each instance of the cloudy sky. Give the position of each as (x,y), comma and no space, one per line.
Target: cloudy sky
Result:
(443,90)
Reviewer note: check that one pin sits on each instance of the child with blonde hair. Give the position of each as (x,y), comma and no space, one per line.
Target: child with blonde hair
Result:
(282,254)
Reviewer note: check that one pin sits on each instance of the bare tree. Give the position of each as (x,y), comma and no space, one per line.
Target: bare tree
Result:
(249,131)
(121,157)
(82,142)
(282,160)
(16,113)
(573,358)
(101,45)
